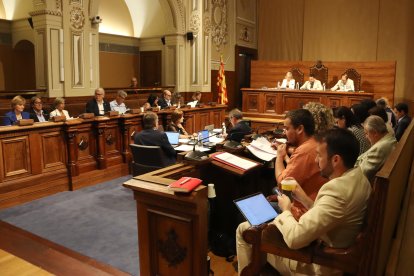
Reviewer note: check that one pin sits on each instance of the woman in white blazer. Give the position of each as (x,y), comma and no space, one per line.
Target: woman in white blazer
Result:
(59,105)
(288,81)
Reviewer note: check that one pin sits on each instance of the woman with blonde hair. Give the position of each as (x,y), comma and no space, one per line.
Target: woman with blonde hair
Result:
(322,115)
(59,105)
(17,113)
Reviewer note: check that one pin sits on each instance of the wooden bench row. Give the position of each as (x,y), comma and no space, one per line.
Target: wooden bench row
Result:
(371,250)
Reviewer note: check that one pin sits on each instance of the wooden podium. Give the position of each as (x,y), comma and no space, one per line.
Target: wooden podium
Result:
(172,228)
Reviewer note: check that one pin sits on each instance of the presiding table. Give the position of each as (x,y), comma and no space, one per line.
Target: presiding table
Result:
(263,102)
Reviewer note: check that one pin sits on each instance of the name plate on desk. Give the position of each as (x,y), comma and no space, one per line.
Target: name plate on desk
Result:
(25,122)
(58,119)
(112,113)
(87,116)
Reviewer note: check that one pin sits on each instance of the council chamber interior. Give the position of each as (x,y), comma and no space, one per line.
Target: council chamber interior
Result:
(78,197)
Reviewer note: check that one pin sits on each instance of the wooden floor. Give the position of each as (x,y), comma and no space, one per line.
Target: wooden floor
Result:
(221,267)
(11,265)
(47,255)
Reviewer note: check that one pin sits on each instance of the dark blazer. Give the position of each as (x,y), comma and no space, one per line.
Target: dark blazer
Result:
(401,126)
(34,116)
(238,132)
(163,103)
(10,117)
(174,128)
(151,137)
(92,107)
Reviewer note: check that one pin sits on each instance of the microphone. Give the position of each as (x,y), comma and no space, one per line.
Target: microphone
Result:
(198,155)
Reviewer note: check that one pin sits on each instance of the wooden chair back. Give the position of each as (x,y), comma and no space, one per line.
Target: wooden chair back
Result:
(320,72)
(297,75)
(355,76)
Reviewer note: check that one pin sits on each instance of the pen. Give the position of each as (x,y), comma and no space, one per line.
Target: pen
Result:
(185,180)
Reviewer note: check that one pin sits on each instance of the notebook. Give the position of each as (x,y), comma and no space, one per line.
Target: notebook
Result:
(173,137)
(256,209)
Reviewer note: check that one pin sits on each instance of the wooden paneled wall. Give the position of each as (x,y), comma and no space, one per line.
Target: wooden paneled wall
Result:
(376,77)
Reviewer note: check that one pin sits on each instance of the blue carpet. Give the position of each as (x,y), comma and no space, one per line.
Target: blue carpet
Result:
(99,222)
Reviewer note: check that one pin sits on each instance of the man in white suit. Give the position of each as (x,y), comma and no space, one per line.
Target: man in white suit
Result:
(382,144)
(312,84)
(344,84)
(335,217)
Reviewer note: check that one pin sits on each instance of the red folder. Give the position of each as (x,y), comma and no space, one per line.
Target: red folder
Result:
(185,184)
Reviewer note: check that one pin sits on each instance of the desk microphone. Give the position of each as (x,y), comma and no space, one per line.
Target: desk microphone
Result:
(198,155)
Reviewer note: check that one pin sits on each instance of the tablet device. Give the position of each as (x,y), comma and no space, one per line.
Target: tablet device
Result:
(256,209)
(204,136)
(173,137)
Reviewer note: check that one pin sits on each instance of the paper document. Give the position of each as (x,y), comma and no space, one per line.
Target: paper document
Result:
(235,161)
(190,148)
(262,149)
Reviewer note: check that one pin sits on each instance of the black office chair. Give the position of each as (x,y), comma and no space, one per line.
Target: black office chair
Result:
(147,159)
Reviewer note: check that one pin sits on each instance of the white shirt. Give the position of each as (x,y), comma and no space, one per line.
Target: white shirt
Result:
(316,85)
(121,108)
(340,86)
(101,108)
(285,84)
(56,112)
(40,116)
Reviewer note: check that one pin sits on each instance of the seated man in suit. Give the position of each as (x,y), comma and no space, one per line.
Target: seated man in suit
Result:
(401,110)
(17,113)
(240,128)
(312,84)
(335,217)
(382,144)
(98,105)
(299,128)
(165,100)
(344,84)
(151,136)
(37,113)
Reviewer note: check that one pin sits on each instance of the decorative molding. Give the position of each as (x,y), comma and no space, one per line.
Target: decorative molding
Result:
(170,250)
(219,23)
(72,2)
(45,12)
(109,139)
(195,22)
(77,18)
(207,24)
(116,48)
(59,5)
(178,15)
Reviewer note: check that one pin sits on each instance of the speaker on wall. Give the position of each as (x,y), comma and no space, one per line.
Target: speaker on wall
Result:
(163,40)
(190,36)
(30,22)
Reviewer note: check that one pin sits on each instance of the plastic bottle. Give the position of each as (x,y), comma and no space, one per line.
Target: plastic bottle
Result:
(324,86)
(224,128)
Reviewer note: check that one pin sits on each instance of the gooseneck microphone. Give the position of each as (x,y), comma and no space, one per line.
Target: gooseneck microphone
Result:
(198,155)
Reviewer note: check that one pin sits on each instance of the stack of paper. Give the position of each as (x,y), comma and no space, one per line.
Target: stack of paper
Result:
(235,161)
(262,149)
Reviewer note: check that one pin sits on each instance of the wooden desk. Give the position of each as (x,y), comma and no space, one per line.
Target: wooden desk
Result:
(47,158)
(259,102)
(172,228)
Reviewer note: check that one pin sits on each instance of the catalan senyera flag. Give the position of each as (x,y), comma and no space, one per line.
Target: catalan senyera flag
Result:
(221,84)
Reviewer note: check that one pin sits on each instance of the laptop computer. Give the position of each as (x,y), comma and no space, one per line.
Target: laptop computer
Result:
(173,137)
(256,209)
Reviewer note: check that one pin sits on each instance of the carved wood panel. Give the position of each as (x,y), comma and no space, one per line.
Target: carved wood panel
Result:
(171,243)
(54,151)
(203,120)
(251,102)
(294,102)
(217,118)
(334,102)
(16,157)
(189,120)
(270,103)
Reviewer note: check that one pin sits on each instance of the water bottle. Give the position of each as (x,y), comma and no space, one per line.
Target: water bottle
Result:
(323,86)
(297,86)
(278,84)
(224,128)
(200,138)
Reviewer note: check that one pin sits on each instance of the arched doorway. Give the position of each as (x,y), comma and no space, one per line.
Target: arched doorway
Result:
(23,60)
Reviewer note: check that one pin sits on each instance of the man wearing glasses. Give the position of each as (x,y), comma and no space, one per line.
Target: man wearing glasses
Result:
(37,113)
(97,105)
(118,104)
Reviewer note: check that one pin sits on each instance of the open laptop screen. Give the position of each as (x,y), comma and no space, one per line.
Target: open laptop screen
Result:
(173,137)
(256,209)
(204,136)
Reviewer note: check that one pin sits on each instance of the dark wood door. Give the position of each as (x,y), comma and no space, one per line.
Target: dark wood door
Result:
(244,56)
(150,68)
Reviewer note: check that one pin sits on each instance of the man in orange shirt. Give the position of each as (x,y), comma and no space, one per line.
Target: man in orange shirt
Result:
(299,129)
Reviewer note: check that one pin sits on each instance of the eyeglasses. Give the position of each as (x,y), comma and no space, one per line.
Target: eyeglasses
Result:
(98,94)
